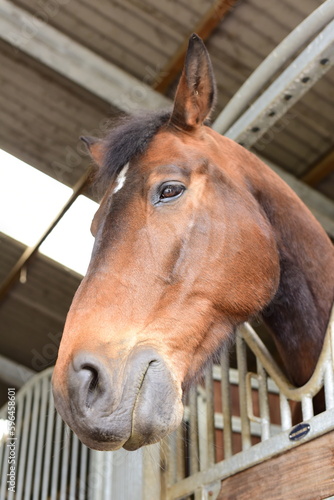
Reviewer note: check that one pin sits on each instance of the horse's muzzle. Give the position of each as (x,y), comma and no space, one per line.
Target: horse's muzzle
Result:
(109,407)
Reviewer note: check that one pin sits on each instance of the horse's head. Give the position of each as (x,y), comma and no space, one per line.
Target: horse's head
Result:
(183,253)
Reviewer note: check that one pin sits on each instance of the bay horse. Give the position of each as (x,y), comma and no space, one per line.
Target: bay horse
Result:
(194,235)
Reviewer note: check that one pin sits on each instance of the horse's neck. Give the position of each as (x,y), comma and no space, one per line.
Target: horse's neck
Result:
(299,313)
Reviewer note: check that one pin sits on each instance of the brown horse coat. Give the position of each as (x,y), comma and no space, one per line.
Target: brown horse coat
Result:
(194,235)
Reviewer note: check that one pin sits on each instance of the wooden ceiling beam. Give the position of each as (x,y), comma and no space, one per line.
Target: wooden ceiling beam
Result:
(204,28)
(320,171)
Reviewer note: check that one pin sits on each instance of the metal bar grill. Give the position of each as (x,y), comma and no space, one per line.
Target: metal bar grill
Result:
(48,445)
(242,368)
(210,416)
(51,461)
(32,441)
(193,431)
(180,452)
(56,459)
(264,403)
(40,439)
(23,451)
(286,418)
(226,403)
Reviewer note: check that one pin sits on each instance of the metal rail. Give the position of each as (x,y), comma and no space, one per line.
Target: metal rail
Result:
(274,62)
(315,60)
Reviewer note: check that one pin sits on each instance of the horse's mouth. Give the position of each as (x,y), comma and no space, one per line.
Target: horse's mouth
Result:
(148,408)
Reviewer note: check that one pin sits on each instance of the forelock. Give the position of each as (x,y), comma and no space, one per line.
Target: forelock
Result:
(129,137)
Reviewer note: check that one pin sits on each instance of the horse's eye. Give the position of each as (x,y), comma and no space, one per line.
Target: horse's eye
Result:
(171,191)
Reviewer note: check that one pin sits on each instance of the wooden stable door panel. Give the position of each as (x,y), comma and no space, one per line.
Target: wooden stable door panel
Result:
(303,473)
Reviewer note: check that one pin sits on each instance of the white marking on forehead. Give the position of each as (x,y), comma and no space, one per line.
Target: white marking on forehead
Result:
(121,178)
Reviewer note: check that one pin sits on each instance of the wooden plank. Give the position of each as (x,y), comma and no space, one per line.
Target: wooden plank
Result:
(78,64)
(204,29)
(320,171)
(303,473)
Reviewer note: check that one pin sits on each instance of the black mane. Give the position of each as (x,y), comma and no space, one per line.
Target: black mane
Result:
(128,137)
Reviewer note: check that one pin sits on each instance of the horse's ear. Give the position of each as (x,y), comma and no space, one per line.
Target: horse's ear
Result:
(95,148)
(196,92)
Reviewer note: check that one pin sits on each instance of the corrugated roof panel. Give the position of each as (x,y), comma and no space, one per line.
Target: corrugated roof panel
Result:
(43,116)
(133,35)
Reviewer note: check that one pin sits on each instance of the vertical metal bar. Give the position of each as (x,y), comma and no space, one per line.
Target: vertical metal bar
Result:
(46,476)
(226,402)
(74,466)
(210,415)
(242,369)
(151,486)
(172,451)
(199,494)
(285,410)
(331,333)
(83,472)
(2,453)
(307,407)
(95,487)
(193,430)
(23,453)
(56,458)
(329,385)
(4,473)
(32,440)
(180,463)
(165,465)
(18,432)
(64,464)
(263,399)
(45,383)
(202,427)
(108,475)
(3,416)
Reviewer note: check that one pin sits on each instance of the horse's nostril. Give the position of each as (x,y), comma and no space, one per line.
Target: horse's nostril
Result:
(89,382)
(94,388)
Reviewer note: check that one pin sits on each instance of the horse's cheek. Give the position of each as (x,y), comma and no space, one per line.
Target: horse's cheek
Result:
(248,278)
